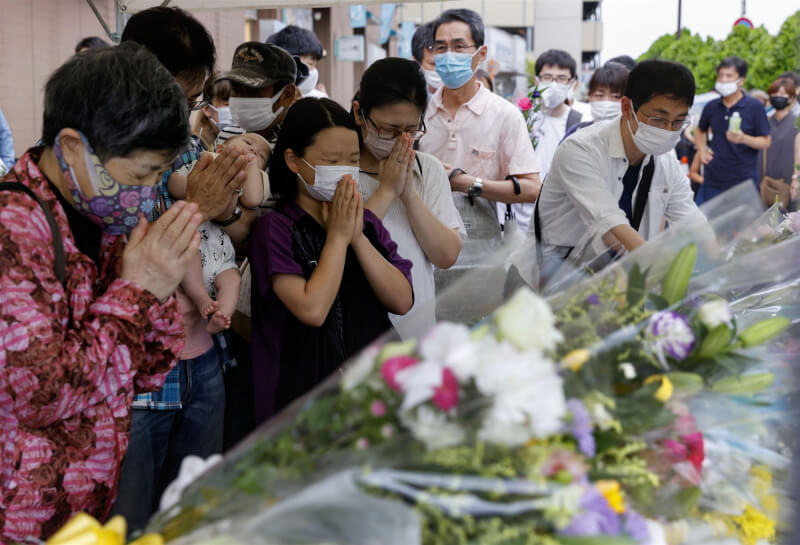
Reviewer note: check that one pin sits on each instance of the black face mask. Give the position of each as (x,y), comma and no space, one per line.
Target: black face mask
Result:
(779,103)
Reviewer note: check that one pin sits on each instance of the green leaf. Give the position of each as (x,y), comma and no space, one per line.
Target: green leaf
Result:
(636,285)
(659,302)
(716,341)
(744,384)
(686,383)
(676,283)
(761,332)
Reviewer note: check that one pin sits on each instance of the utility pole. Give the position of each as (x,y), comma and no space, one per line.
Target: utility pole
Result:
(744,8)
(678,33)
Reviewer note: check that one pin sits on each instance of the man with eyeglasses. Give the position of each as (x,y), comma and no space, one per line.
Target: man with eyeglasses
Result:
(732,155)
(481,138)
(612,184)
(556,75)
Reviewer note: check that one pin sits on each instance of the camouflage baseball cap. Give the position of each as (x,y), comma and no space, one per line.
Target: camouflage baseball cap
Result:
(258,65)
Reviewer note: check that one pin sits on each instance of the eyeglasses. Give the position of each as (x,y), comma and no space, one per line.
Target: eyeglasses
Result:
(195,105)
(390,134)
(666,124)
(547,78)
(459,47)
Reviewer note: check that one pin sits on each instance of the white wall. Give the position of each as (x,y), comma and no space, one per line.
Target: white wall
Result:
(558,26)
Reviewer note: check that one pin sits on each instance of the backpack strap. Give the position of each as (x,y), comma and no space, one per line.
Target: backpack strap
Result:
(58,243)
(574,117)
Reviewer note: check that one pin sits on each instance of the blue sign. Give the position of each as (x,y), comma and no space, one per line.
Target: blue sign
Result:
(407,29)
(358,16)
(387,16)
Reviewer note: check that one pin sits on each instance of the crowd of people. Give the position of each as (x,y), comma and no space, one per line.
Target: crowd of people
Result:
(170,284)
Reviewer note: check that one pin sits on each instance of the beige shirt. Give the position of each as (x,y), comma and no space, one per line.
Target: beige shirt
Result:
(487,138)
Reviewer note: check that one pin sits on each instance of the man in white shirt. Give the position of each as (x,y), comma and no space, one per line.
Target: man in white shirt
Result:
(611,185)
(481,138)
(555,73)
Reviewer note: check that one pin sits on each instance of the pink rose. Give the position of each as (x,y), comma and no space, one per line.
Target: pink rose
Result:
(446,396)
(525,104)
(129,199)
(392,366)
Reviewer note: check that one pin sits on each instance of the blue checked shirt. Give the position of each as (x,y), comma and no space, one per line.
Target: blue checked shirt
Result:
(169,396)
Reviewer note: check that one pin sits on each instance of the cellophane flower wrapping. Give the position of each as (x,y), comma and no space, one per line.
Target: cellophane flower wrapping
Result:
(646,404)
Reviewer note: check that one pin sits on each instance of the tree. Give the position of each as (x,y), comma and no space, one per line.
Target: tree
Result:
(766,55)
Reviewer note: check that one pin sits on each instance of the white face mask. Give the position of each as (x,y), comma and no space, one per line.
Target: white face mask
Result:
(605,109)
(433,78)
(255,114)
(652,140)
(224,114)
(326,180)
(554,95)
(310,83)
(728,88)
(380,148)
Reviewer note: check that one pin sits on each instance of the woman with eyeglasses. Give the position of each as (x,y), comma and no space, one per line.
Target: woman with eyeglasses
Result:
(408,190)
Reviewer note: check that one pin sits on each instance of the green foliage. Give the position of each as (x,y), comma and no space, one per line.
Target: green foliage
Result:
(766,55)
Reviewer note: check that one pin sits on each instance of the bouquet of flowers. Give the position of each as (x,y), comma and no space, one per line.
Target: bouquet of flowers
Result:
(571,423)
(530,106)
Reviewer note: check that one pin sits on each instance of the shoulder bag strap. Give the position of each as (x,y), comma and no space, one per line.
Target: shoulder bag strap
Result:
(643,193)
(58,244)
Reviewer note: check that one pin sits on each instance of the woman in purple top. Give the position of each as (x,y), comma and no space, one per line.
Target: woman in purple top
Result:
(325,271)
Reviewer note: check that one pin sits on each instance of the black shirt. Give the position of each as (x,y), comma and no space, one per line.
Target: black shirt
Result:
(86,233)
(629,182)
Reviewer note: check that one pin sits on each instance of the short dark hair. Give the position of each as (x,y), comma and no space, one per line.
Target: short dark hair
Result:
(305,119)
(422,40)
(392,81)
(122,98)
(625,60)
(217,89)
(297,41)
(467,16)
(794,76)
(612,75)
(660,78)
(180,41)
(737,63)
(91,42)
(557,57)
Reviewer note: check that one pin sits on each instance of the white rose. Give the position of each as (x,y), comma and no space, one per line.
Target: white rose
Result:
(432,428)
(715,313)
(450,345)
(527,322)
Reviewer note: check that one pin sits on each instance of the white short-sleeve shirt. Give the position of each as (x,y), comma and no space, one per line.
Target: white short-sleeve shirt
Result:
(433,188)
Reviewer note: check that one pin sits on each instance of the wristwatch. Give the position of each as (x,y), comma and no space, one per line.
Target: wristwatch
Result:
(476,189)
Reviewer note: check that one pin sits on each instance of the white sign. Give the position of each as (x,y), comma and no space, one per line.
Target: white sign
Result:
(349,48)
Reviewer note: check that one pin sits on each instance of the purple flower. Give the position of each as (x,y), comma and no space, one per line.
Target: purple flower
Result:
(635,526)
(536,94)
(596,518)
(593,299)
(581,427)
(100,206)
(669,334)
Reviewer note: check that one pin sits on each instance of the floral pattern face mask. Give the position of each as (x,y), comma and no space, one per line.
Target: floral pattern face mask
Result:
(115,206)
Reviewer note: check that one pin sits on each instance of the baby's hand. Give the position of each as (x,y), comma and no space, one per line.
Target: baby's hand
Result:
(218,323)
(209,308)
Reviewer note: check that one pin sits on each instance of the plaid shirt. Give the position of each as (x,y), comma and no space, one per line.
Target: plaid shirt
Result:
(169,396)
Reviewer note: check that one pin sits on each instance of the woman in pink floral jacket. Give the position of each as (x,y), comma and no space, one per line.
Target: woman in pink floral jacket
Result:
(87,315)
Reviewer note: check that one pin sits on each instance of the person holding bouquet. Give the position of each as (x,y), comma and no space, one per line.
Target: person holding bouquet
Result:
(326,273)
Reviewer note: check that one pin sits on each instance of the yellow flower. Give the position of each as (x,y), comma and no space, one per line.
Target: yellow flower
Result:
(85,530)
(612,492)
(575,359)
(664,393)
(754,525)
